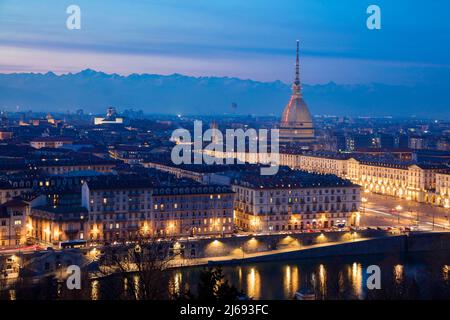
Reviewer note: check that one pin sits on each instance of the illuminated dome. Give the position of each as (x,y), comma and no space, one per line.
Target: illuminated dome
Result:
(296,124)
(296,112)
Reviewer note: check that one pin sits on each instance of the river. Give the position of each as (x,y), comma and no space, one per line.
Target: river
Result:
(412,276)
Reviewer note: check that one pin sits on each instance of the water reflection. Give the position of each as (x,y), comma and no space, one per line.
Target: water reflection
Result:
(355,277)
(12,294)
(136,286)
(125,284)
(175,284)
(290,280)
(253,283)
(240,277)
(398,273)
(95,290)
(445,272)
(322,280)
(338,278)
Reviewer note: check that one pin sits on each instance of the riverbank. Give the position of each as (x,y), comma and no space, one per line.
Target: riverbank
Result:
(413,242)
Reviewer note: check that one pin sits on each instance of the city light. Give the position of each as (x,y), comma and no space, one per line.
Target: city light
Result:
(111,168)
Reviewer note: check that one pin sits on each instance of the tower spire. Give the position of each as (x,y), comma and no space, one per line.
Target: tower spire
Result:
(297,68)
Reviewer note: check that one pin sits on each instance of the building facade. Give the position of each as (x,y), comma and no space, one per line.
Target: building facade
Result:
(296,202)
(121,210)
(409,180)
(55,224)
(50,142)
(443,189)
(14,221)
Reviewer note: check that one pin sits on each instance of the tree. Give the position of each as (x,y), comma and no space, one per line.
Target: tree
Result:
(213,286)
(141,268)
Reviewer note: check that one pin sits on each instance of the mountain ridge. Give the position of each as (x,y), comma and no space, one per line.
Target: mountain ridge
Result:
(94,91)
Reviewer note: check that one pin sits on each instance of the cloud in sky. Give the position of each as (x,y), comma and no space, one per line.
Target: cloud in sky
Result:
(247,39)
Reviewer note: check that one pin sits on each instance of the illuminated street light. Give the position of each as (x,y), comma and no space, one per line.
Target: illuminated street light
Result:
(364,201)
(398,208)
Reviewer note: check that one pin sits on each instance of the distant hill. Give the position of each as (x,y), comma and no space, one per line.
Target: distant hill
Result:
(94,91)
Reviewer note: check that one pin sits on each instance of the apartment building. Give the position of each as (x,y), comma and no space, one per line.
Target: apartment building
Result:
(120,209)
(55,224)
(14,220)
(443,189)
(193,210)
(384,175)
(50,142)
(294,200)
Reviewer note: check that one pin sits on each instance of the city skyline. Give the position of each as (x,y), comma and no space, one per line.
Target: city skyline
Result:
(302,145)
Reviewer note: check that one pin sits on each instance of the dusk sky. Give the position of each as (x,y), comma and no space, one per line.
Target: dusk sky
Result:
(252,39)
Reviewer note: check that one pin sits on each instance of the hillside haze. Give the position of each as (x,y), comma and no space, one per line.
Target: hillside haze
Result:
(174,94)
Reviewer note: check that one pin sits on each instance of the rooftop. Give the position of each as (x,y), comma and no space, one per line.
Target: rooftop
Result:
(287,178)
(52,139)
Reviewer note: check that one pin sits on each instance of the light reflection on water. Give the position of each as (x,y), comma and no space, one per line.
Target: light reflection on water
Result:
(254,284)
(322,280)
(355,278)
(398,273)
(290,280)
(340,278)
(445,272)
(95,290)
(176,284)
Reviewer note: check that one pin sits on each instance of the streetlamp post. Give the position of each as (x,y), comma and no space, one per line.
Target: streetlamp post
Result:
(433,222)
(417,218)
(363,201)
(398,208)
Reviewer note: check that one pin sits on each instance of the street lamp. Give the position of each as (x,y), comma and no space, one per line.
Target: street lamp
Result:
(398,208)
(447,206)
(364,201)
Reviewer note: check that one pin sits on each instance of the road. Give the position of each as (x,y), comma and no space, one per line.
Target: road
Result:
(382,210)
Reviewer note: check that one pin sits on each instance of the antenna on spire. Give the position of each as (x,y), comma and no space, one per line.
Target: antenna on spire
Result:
(297,68)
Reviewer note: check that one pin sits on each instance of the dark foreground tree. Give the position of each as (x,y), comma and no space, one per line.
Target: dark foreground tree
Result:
(136,272)
(213,286)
